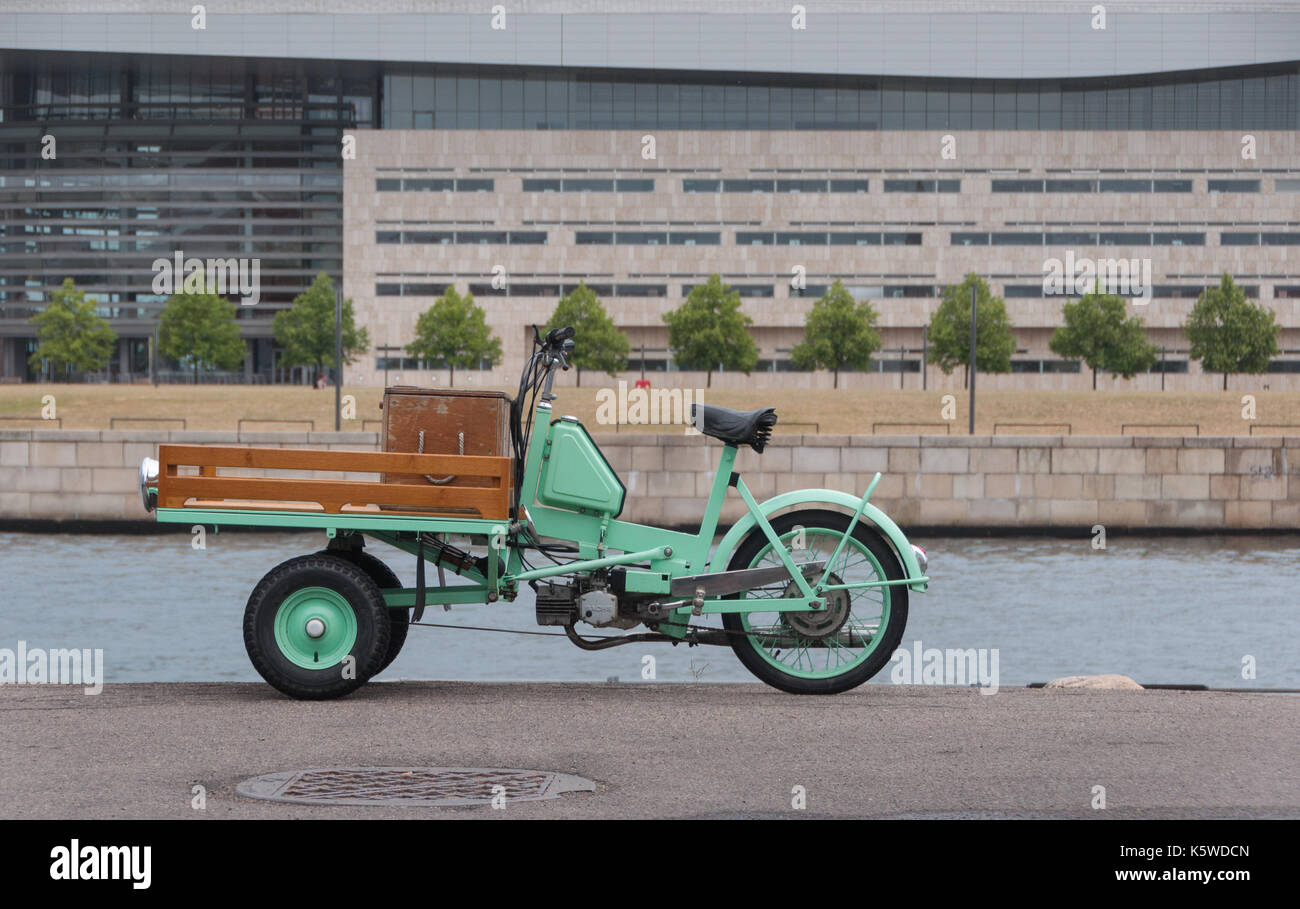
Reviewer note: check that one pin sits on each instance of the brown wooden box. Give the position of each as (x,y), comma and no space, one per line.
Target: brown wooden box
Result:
(453,421)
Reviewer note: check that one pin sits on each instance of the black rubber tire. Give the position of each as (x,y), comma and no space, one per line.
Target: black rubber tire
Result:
(361,593)
(399,620)
(866,534)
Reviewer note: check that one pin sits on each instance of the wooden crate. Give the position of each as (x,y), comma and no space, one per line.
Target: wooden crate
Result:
(445,421)
(179,486)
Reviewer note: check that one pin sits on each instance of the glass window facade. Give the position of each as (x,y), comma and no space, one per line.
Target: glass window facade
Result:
(448,97)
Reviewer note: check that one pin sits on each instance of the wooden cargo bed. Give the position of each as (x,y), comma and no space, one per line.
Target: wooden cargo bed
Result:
(441,485)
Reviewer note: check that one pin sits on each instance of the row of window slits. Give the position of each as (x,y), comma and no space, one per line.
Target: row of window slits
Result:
(878,365)
(750,185)
(838,238)
(1122,238)
(1129,185)
(887,291)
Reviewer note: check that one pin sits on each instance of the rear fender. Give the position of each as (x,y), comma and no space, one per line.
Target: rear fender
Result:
(897,539)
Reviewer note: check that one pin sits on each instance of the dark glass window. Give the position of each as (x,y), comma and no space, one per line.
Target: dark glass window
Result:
(855,238)
(1233,186)
(1276,239)
(747,186)
(802,186)
(391,185)
(436,290)
(704,186)
(642,238)
(695,238)
(395,236)
(548,185)
(1070,186)
(481,236)
(534,238)
(638,185)
(851,186)
(596,238)
(1124,186)
(395,290)
(428,185)
(753,238)
(1017,186)
(1170,186)
(969,239)
(1237,239)
(1178,239)
(796,238)
(1070,238)
(910,186)
(901,239)
(428,236)
(588,185)
(1123,238)
(1017,239)
(642,290)
(477,186)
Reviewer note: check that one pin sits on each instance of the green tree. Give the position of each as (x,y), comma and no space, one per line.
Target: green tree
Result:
(200,329)
(306,332)
(950,329)
(71,336)
(1229,334)
(708,331)
(1098,331)
(455,330)
(600,343)
(839,333)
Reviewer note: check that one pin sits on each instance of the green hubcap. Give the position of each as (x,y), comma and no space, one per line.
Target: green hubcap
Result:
(315,627)
(821,645)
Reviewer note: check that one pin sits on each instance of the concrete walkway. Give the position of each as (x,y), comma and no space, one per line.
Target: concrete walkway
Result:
(663,750)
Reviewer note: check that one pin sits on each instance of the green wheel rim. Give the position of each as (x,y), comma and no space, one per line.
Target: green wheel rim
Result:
(297,615)
(805,657)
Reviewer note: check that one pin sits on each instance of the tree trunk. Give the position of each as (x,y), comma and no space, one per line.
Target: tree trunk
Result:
(1094,378)
(451,376)
(965,377)
(837,379)
(579,368)
(196,372)
(1225,381)
(709,381)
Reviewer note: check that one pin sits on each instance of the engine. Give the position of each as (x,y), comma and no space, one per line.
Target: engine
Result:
(565,604)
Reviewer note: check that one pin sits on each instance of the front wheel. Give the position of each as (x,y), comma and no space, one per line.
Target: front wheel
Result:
(845,643)
(316,627)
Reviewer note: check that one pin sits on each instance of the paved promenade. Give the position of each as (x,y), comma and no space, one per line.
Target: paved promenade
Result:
(663,750)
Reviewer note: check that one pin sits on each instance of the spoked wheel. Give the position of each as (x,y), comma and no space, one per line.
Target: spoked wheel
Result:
(399,620)
(840,646)
(316,627)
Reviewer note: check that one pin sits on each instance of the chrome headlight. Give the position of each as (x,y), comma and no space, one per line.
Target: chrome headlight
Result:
(148,475)
(922,560)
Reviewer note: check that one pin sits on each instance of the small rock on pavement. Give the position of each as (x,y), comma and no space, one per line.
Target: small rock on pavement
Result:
(1108,682)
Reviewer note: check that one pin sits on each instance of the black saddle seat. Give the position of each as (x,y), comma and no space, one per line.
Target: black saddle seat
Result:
(737,427)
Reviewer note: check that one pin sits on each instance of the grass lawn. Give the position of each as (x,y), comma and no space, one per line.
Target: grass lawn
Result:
(852,412)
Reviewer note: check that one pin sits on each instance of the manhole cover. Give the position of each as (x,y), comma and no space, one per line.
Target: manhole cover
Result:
(428,786)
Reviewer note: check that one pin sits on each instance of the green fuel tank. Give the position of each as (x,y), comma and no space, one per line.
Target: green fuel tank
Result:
(575,475)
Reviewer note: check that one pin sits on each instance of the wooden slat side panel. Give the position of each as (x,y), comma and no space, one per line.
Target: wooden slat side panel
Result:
(490,498)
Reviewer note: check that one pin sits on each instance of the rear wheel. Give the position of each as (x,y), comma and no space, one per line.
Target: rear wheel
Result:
(840,646)
(316,627)
(399,620)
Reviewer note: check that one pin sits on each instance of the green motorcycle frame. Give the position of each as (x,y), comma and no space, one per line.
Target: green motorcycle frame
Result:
(762,565)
